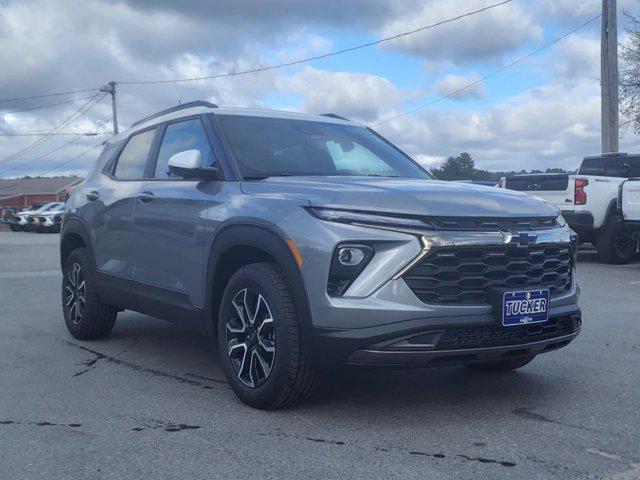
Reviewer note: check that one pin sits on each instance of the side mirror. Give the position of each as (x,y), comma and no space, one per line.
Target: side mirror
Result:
(188,165)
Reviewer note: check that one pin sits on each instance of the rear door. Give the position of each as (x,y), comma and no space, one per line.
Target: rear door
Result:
(110,203)
(168,237)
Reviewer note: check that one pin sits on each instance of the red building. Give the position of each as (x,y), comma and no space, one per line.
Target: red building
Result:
(23,193)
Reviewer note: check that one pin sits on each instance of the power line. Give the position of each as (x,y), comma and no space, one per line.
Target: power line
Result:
(45,106)
(492,74)
(42,174)
(83,109)
(71,159)
(317,57)
(66,162)
(29,162)
(44,95)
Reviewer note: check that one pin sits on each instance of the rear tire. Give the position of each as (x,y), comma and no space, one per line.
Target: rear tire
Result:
(259,339)
(615,246)
(86,316)
(500,365)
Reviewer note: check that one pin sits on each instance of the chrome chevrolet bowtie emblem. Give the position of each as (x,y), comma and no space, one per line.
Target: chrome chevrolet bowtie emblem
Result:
(519,239)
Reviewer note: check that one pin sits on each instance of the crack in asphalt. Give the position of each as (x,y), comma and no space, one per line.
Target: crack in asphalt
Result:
(381,449)
(43,423)
(208,379)
(527,413)
(90,364)
(138,368)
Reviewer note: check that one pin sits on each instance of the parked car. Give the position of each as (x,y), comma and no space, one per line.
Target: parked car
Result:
(25,220)
(303,242)
(629,207)
(50,220)
(587,200)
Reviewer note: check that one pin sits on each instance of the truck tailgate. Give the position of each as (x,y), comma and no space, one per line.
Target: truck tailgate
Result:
(630,200)
(555,189)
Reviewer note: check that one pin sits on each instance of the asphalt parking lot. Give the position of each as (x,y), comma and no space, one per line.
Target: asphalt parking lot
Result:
(151,402)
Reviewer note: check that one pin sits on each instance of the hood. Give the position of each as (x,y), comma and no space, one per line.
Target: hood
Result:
(27,212)
(407,196)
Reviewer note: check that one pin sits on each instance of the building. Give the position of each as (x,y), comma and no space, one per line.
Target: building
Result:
(23,193)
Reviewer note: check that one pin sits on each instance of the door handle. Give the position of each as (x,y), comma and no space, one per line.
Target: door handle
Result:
(145,197)
(93,195)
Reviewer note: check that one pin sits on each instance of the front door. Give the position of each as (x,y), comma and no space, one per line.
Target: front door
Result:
(168,233)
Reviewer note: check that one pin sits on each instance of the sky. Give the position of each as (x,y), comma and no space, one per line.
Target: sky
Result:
(542,113)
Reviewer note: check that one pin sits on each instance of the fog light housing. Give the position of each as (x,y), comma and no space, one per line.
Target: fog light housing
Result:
(347,263)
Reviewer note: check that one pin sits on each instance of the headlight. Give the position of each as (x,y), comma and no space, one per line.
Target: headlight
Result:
(354,216)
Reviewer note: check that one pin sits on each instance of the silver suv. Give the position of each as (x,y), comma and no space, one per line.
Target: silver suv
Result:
(301,242)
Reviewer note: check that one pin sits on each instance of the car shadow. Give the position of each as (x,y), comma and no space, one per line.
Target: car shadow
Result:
(144,341)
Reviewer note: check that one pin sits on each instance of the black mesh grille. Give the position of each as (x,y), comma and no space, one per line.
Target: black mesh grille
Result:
(497,335)
(462,275)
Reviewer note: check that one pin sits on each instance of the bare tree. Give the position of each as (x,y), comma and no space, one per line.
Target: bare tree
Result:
(630,75)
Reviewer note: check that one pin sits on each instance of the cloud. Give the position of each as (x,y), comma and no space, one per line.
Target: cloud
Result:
(578,57)
(552,126)
(452,83)
(485,36)
(359,96)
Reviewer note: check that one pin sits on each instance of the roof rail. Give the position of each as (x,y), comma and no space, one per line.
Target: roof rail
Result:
(614,154)
(196,103)
(333,115)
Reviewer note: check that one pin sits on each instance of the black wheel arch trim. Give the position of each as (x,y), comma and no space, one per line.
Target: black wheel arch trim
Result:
(74,225)
(264,236)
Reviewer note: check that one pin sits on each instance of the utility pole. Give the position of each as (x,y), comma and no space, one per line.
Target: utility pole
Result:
(609,77)
(111,88)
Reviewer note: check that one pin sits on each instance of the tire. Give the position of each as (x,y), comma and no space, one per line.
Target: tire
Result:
(89,319)
(278,373)
(613,245)
(500,365)
(15,228)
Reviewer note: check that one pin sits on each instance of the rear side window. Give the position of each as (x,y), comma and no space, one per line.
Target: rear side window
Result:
(592,166)
(133,158)
(178,137)
(628,166)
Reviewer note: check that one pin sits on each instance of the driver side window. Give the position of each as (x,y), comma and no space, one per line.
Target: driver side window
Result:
(178,137)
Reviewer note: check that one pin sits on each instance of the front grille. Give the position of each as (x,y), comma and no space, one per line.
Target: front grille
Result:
(463,275)
(492,224)
(497,335)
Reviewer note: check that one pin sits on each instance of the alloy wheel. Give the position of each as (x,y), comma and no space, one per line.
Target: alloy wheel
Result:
(251,338)
(75,294)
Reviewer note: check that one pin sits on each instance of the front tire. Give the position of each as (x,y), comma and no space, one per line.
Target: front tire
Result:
(500,365)
(615,246)
(259,339)
(86,316)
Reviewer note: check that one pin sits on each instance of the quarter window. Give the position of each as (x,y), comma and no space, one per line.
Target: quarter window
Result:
(178,137)
(133,158)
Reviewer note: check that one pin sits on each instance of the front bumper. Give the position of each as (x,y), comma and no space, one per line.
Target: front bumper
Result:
(578,221)
(445,341)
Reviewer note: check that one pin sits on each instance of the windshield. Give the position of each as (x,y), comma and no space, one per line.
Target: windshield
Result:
(266,147)
(50,206)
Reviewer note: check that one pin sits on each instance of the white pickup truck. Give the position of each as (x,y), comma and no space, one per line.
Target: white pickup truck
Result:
(588,201)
